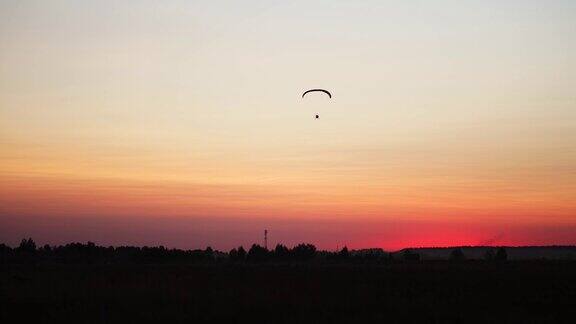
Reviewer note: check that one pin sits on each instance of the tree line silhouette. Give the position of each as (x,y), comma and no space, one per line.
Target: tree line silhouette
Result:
(90,253)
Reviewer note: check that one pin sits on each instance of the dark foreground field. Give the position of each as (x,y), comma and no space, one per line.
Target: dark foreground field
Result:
(430,292)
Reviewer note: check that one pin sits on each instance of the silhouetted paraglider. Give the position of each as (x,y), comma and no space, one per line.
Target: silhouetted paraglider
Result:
(317,90)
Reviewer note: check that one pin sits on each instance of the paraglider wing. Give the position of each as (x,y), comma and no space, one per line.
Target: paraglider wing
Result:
(317,90)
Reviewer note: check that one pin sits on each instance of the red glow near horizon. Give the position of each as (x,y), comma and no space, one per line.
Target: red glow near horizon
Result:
(226,233)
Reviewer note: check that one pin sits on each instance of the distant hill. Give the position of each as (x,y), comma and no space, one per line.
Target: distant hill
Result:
(514,252)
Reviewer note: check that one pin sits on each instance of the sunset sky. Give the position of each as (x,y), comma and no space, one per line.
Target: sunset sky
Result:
(180,123)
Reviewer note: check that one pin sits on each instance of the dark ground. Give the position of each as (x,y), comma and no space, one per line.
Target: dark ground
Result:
(421,292)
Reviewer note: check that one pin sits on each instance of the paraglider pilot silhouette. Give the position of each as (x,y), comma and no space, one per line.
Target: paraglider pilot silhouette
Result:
(317,90)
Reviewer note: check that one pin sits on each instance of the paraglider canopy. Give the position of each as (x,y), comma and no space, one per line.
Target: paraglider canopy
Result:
(317,90)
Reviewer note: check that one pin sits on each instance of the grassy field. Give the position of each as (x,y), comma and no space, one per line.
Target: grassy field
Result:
(421,292)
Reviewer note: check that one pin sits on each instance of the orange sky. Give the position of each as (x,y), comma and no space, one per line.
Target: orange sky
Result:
(182,124)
